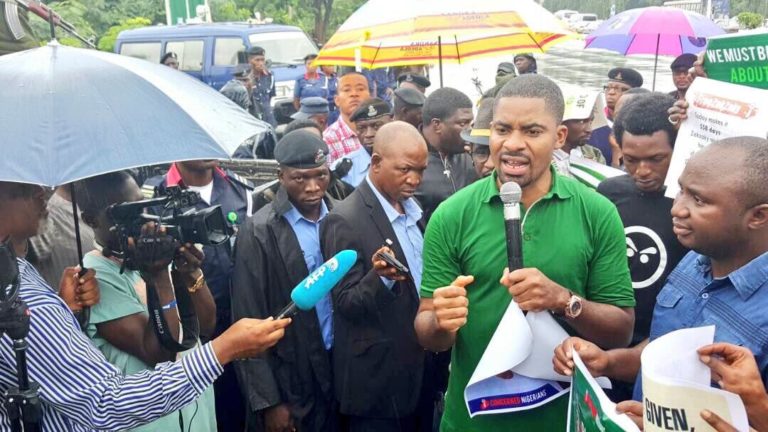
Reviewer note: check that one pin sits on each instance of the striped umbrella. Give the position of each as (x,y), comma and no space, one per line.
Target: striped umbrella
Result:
(654,30)
(385,33)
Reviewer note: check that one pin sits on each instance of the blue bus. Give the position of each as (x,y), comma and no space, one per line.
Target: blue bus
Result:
(210,52)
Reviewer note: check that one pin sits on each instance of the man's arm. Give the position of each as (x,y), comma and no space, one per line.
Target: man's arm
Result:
(77,381)
(622,364)
(607,325)
(439,318)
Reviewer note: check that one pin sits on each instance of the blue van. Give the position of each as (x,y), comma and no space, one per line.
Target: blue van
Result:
(210,52)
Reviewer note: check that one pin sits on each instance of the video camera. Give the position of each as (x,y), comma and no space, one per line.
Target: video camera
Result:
(205,226)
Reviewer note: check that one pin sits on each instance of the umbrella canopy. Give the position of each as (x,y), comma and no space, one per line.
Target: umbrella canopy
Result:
(71,113)
(654,30)
(404,32)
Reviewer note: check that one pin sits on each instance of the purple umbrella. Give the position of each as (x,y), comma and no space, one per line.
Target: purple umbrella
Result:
(654,30)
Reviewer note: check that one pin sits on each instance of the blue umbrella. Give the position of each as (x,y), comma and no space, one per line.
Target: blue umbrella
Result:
(71,113)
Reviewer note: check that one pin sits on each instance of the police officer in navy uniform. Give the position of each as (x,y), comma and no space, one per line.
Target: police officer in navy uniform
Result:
(216,187)
(312,84)
(418,82)
(263,86)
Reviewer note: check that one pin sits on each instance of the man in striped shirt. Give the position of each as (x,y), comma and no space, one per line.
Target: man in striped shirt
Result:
(79,389)
(340,136)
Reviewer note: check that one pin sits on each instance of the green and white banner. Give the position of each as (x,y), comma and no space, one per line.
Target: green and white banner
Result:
(182,11)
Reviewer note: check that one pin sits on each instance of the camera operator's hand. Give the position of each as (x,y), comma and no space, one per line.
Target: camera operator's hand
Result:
(78,291)
(188,261)
(248,337)
(153,251)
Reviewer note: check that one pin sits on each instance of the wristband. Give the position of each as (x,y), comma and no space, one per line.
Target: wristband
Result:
(170,305)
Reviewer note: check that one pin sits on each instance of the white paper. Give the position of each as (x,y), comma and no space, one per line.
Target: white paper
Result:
(515,372)
(676,384)
(716,110)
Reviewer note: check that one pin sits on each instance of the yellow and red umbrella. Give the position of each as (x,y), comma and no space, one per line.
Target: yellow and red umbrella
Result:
(386,33)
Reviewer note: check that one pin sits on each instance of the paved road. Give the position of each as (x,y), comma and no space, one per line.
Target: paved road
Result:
(567,62)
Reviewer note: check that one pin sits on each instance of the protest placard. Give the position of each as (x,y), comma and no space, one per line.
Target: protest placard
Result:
(589,409)
(676,385)
(716,110)
(740,58)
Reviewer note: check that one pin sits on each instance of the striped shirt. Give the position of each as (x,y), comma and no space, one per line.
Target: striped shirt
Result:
(79,389)
(341,140)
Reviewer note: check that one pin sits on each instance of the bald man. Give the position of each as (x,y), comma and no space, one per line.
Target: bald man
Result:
(378,362)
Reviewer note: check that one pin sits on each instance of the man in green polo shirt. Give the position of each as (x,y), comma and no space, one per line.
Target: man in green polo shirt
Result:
(573,249)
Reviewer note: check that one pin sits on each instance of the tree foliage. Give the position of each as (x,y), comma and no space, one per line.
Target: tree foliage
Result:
(750,20)
(107,42)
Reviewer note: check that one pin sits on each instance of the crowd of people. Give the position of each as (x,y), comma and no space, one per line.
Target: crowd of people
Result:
(372,164)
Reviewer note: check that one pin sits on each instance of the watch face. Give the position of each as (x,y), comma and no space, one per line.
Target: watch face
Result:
(576,308)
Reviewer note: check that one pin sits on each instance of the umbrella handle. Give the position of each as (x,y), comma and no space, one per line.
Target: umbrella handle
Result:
(85,314)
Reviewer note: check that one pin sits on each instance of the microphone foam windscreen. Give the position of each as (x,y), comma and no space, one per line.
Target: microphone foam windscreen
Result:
(510,193)
(315,286)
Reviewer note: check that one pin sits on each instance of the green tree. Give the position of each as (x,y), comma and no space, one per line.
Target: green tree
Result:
(107,42)
(750,20)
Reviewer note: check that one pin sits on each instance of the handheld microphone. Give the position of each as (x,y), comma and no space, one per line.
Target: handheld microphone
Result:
(510,195)
(314,287)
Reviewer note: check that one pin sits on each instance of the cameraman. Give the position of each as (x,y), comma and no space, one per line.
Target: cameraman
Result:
(79,389)
(120,326)
(233,194)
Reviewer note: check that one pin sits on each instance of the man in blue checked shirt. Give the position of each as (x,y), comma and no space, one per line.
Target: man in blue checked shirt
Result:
(723,281)
(79,389)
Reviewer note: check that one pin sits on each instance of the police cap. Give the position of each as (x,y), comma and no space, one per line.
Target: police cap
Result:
(241,71)
(371,109)
(256,51)
(684,61)
(627,76)
(419,80)
(311,106)
(410,96)
(301,149)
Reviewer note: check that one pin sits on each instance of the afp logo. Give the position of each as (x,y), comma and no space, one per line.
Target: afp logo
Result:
(647,256)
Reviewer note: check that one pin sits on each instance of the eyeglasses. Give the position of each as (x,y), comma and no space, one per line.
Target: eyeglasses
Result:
(480,157)
(616,88)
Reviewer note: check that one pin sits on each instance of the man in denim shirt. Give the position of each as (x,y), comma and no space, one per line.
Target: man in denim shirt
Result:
(723,218)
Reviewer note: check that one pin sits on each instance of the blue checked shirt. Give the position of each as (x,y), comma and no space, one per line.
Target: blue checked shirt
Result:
(79,389)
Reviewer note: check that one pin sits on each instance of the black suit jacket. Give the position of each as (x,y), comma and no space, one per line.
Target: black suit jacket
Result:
(377,361)
(297,371)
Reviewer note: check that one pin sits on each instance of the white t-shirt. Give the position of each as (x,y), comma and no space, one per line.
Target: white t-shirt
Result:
(204,191)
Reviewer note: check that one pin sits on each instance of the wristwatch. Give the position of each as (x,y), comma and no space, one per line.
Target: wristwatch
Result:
(199,282)
(574,306)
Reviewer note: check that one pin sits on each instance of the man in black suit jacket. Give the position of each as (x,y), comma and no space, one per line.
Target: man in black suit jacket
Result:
(377,361)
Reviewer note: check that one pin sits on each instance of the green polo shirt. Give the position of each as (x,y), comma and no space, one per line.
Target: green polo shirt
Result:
(572,234)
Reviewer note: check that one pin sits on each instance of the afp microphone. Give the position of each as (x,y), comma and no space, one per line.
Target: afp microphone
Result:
(510,195)
(314,287)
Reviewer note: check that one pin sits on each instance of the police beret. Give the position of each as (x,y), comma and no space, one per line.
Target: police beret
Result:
(481,128)
(311,106)
(371,109)
(419,80)
(684,61)
(256,51)
(627,76)
(410,96)
(301,149)
(241,70)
